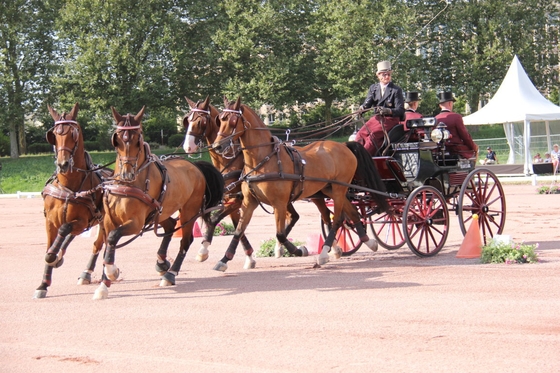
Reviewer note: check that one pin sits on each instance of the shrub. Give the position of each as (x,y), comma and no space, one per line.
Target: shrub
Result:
(154,145)
(500,252)
(39,148)
(224,229)
(176,140)
(548,190)
(267,247)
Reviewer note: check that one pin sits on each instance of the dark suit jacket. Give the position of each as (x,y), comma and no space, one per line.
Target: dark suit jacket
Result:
(392,99)
(460,141)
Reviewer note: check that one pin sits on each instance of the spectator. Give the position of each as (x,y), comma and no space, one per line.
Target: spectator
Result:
(547,158)
(490,157)
(554,154)
(537,158)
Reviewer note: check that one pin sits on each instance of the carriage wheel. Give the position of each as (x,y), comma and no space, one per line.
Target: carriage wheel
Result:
(425,221)
(347,235)
(387,227)
(482,194)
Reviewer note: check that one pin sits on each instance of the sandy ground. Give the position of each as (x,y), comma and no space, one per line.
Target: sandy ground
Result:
(384,311)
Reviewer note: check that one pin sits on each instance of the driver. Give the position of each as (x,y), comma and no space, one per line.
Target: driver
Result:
(387,98)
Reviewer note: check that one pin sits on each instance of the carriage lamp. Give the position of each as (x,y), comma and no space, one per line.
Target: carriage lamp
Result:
(440,133)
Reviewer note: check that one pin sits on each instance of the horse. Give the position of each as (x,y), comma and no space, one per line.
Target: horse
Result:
(200,124)
(276,174)
(146,191)
(72,199)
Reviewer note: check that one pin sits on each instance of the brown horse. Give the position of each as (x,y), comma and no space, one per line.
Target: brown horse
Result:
(72,199)
(276,174)
(147,191)
(200,124)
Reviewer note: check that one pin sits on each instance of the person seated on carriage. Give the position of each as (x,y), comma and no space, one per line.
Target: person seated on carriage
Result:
(460,141)
(387,99)
(411,102)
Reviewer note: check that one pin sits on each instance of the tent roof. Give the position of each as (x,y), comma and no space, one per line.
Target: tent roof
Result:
(516,100)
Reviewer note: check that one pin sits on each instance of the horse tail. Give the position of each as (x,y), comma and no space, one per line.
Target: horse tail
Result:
(214,183)
(368,173)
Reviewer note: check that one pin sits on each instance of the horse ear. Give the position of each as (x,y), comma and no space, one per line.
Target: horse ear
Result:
(53,113)
(237,103)
(114,140)
(116,115)
(226,102)
(191,103)
(138,117)
(74,112)
(206,103)
(51,139)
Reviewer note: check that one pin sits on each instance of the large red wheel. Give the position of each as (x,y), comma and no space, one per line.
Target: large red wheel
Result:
(347,236)
(387,227)
(482,194)
(425,221)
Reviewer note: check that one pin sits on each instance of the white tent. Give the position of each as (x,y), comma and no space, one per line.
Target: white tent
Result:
(517,100)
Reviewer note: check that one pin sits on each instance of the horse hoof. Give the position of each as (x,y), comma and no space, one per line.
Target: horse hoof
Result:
(250,263)
(168,279)
(112,272)
(220,266)
(102,292)
(304,251)
(322,260)
(162,268)
(84,279)
(40,294)
(336,252)
(372,244)
(201,257)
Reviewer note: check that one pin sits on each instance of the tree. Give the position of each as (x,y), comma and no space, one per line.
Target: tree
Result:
(27,60)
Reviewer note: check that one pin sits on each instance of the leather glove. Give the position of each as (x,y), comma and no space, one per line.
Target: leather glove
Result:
(385,111)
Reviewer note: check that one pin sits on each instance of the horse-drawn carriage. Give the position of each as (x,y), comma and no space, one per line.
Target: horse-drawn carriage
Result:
(424,183)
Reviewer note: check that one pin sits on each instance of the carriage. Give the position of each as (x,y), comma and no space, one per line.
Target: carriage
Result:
(424,184)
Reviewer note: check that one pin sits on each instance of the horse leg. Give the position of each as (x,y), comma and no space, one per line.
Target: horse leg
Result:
(85,277)
(248,207)
(338,195)
(162,264)
(54,257)
(281,235)
(102,291)
(292,218)
(168,278)
(352,213)
(209,234)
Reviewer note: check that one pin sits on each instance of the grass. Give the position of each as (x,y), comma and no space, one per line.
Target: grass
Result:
(30,172)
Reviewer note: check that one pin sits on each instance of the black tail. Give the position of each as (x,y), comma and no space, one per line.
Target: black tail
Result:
(214,183)
(368,173)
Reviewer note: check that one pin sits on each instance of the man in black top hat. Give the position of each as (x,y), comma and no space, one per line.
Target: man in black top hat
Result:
(387,99)
(460,141)
(411,102)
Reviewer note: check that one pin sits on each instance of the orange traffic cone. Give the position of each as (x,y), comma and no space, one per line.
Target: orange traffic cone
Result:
(196,230)
(179,232)
(472,243)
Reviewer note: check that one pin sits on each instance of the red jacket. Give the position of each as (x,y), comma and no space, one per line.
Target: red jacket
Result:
(461,141)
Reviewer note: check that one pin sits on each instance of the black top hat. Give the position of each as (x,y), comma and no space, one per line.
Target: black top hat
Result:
(411,97)
(446,96)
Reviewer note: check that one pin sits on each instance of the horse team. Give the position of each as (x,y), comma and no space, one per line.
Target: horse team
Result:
(144,192)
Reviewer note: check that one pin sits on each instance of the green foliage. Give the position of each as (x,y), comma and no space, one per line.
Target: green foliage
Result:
(39,148)
(224,229)
(500,252)
(548,189)
(267,248)
(4,145)
(176,140)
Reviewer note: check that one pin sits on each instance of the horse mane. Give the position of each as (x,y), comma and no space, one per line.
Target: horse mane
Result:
(368,173)
(214,183)
(254,113)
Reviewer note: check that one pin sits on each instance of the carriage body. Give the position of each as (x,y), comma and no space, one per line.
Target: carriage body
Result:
(424,183)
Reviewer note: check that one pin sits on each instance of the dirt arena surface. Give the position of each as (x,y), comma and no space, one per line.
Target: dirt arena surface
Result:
(384,311)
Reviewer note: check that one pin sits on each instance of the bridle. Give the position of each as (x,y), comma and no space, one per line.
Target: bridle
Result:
(234,146)
(59,129)
(124,132)
(204,123)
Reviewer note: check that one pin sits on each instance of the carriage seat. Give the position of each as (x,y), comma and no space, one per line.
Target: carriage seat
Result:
(397,134)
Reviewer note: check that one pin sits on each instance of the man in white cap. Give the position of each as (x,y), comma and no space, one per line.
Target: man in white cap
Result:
(387,99)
